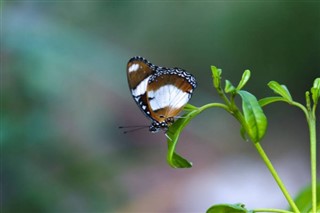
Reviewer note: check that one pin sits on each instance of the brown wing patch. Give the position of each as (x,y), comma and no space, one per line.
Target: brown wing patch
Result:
(168,79)
(137,71)
(165,113)
(179,82)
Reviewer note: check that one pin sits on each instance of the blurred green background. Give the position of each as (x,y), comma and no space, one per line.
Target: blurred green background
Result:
(64,93)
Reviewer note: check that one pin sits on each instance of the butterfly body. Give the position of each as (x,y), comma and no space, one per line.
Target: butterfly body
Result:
(160,92)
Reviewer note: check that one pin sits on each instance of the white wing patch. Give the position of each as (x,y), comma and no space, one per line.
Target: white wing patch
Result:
(167,96)
(141,88)
(133,68)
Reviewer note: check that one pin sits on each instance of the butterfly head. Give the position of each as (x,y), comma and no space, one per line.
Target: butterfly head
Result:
(156,126)
(164,125)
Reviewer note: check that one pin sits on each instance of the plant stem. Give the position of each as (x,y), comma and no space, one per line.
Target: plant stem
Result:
(223,106)
(313,159)
(272,210)
(305,111)
(311,119)
(276,177)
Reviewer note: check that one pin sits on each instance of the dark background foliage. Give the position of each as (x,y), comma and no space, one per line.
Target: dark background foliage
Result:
(64,93)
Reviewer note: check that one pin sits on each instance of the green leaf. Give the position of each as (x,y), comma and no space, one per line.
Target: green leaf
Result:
(173,133)
(245,77)
(229,87)
(228,208)
(265,101)
(243,133)
(216,75)
(180,162)
(315,90)
(308,101)
(282,90)
(304,200)
(254,117)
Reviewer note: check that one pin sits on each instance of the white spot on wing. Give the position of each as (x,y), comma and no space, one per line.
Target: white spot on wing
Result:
(133,67)
(137,98)
(168,96)
(141,88)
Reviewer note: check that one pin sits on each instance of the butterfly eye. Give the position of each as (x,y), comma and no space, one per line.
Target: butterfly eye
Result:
(153,129)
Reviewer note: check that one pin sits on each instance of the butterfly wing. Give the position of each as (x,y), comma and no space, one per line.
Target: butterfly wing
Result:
(168,91)
(139,70)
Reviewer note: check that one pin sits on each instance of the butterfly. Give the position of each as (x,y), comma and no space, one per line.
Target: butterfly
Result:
(160,92)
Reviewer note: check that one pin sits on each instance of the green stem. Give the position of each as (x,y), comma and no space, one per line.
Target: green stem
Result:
(313,159)
(311,118)
(272,210)
(223,95)
(276,177)
(305,111)
(223,106)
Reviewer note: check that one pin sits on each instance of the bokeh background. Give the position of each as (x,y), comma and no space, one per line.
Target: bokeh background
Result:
(64,93)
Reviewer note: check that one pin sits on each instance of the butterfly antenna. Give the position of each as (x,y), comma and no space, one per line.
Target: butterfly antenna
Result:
(132,128)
